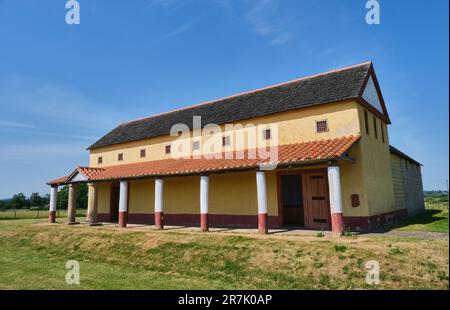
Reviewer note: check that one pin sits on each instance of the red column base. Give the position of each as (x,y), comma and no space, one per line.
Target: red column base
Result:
(204,222)
(337,224)
(159,220)
(123,219)
(51,216)
(262,223)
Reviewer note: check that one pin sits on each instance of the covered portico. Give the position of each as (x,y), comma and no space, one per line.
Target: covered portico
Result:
(302,157)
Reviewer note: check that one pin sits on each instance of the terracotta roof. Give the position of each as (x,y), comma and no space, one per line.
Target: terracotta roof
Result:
(328,87)
(89,172)
(297,153)
(58,181)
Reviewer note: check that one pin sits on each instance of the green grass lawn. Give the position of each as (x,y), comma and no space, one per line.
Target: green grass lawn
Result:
(434,219)
(34,214)
(33,254)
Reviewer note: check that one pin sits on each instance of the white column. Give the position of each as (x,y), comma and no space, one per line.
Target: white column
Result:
(262,192)
(204,184)
(53,198)
(262,201)
(159,186)
(52,206)
(204,187)
(123,196)
(334,184)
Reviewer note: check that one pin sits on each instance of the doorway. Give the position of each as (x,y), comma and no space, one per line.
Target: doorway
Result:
(114,202)
(292,199)
(303,199)
(316,200)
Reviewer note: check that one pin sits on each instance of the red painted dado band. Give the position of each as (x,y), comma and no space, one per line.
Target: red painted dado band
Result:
(204,221)
(123,219)
(52,216)
(262,223)
(159,220)
(337,223)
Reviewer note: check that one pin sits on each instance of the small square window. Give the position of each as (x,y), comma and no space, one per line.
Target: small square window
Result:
(120,157)
(196,145)
(321,126)
(143,153)
(267,134)
(226,141)
(100,160)
(168,149)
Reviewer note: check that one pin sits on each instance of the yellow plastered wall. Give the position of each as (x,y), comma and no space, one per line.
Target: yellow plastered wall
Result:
(292,126)
(376,166)
(104,196)
(142,196)
(352,183)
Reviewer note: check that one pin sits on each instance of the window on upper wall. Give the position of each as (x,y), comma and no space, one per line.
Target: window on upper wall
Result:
(322,126)
(366,122)
(196,145)
(226,141)
(143,153)
(120,157)
(267,134)
(168,149)
(100,160)
(382,131)
(375,127)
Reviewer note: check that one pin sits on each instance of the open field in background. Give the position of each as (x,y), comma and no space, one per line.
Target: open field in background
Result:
(434,219)
(33,256)
(34,214)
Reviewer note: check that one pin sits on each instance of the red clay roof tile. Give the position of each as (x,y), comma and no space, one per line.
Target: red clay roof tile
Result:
(297,153)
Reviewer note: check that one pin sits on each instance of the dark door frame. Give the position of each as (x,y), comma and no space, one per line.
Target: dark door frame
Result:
(279,191)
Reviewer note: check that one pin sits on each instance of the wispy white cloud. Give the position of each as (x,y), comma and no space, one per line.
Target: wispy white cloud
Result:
(47,105)
(183,28)
(265,21)
(22,152)
(9,124)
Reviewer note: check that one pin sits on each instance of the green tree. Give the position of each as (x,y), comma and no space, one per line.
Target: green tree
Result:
(35,199)
(45,200)
(2,205)
(18,201)
(82,196)
(63,198)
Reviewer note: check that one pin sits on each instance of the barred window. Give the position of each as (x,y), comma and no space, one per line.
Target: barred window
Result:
(226,141)
(120,157)
(168,149)
(100,160)
(143,153)
(267,134)
(196,145)
(321,126)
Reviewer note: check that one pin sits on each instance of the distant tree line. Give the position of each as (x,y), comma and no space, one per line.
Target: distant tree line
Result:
(20,201)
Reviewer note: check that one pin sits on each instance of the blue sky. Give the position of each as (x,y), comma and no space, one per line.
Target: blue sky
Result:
(62,87)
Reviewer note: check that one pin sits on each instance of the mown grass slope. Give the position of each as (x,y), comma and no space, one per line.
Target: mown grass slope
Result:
(33,256)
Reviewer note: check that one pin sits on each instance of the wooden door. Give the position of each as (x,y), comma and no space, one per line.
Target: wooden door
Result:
(114,202)
(316,201)
(291,199)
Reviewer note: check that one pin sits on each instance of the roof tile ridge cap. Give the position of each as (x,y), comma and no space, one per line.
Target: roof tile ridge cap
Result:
(248,92)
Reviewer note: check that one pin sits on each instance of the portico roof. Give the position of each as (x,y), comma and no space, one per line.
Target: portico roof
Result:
(289,154)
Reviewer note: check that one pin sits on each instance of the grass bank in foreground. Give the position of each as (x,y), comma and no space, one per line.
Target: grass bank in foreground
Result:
(33,256)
